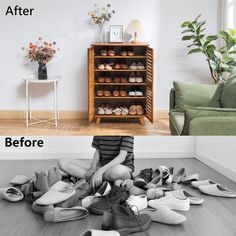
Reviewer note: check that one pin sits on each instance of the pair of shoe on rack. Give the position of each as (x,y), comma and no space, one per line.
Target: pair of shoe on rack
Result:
(135,78)
(120,80)
(118,110)
(105,52)
(104,66)
(127,53)
(105,92)
(135,92)
(212,188)
(136,110)
(137,66)
(101,79)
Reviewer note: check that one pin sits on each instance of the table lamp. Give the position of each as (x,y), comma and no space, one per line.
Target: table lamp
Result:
(135,28)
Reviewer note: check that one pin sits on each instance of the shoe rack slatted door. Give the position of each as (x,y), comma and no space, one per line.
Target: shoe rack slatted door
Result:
(149,83)
(91,79)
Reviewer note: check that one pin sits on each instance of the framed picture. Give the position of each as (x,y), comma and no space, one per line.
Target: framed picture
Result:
(116,33)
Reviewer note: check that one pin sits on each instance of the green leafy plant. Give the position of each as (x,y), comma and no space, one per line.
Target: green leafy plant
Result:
(220,60)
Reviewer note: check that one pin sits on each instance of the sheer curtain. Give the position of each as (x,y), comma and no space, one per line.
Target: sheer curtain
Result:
(228,14)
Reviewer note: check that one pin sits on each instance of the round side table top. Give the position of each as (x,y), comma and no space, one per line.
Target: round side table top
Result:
(34,79)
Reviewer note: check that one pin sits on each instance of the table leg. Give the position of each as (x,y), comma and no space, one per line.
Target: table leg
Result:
(58,114)
(29,97)
(27,103)
(55,102)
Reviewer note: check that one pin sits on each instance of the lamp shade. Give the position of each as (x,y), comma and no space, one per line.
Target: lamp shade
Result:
(135,28)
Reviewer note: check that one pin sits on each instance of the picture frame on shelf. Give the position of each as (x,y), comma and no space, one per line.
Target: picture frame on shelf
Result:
(116,33)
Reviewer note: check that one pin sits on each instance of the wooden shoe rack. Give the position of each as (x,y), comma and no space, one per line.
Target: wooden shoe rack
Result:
(142,53)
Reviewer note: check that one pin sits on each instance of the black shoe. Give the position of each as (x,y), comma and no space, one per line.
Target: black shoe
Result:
(144,177)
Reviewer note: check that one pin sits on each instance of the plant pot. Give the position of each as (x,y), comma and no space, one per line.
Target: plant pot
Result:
(42,72)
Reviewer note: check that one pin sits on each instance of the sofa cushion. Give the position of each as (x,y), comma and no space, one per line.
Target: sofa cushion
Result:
(191,113)
(197,95)
(228,98)
(177,119)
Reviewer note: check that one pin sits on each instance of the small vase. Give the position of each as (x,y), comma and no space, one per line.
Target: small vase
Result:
(42,72)
(101,33)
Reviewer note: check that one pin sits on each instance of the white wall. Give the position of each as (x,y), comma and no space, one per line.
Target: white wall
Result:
(219,153)
(67,23)
(80,147)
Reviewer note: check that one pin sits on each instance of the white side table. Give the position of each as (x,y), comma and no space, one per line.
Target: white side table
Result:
(34,80)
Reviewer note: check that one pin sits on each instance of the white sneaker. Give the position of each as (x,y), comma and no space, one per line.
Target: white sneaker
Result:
(182,193)
(137,203)
(132,78)
(196,184)
(133,66)
(171,202)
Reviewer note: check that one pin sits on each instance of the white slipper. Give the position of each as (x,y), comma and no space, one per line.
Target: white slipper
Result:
(137,203)
(190,178)
(165,216)
(58,192)
(217,190)
(196,184)
(182,193)
(93,232)
(11,194)
(20,180)
(59,214)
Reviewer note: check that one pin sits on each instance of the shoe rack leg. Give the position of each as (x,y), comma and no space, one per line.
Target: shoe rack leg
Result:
(27,103)
(142,121)
(55,103)
(98,121)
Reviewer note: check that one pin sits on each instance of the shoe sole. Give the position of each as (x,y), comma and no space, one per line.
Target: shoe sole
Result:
(127,231)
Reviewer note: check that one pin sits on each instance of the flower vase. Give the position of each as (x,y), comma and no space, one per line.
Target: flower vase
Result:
(101,33)
(42,72)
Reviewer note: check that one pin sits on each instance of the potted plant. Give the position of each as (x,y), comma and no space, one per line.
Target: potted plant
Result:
(220,60)
(99,16)
(41,52)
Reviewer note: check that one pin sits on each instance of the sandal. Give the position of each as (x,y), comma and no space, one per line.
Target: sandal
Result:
(132,78)
(111,53)
(133,110)
(133,66)
(103,52)
(117,111)
(108,110)
(123,93)
(101,110)
(100,92)
(107,92)
(139,78)
(117,80)
(140,110)
(116,92)
(101,80)
(124,111)
(108,80)
(101,67)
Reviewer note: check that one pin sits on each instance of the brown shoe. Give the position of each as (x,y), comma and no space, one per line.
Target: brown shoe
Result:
(133,110)
(103,52)
(130,53)
(123,93)
(101,80)
(116,92)
(117,67)
(123,80)
(100,92)
(107,79)
(123,53)
(117,80)
(111,53)
(140,110)
(107,92)
(124,67)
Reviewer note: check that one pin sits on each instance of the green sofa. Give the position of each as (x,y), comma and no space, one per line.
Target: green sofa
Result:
(203,109)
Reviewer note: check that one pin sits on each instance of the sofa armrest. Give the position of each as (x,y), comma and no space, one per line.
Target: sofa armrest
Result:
(192,113)
(172,99)
(212,126)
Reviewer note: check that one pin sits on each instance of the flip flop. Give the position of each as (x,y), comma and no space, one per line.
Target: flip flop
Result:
(11,194)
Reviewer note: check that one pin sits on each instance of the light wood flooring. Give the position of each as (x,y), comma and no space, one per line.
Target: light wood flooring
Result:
(73,127)
(217,216)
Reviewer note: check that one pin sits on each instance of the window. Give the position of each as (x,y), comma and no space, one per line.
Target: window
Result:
(231,14)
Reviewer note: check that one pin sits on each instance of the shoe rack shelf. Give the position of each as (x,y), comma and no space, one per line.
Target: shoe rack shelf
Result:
(142,53)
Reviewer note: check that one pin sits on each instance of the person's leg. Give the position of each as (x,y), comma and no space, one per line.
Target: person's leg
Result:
(117,172)
(76,168)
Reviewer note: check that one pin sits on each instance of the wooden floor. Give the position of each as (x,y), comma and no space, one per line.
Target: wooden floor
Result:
(70,127)
(217,216)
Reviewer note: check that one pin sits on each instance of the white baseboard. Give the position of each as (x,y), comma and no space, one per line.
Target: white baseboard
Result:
(53,154)
(218,166)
